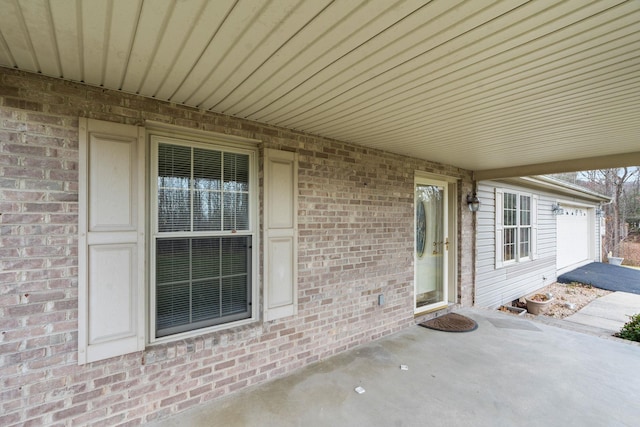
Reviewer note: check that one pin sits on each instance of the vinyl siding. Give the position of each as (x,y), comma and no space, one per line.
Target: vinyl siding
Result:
(496,286)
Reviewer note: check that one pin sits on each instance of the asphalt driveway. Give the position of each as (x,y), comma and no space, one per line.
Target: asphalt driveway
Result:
(605,276)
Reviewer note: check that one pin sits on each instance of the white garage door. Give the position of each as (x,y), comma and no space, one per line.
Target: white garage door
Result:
(573,237)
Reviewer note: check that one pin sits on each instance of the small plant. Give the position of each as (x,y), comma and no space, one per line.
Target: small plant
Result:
(631,330)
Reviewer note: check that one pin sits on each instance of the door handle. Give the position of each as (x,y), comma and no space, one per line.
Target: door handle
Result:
(446,243)
(437,246)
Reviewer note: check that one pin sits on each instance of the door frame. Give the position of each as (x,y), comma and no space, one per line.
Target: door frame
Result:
(450,271)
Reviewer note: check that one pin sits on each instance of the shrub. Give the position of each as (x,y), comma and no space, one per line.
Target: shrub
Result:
(631,329)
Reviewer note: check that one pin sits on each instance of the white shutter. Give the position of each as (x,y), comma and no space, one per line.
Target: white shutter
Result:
(111,240)
(534,227)
(280,234)
(499,226)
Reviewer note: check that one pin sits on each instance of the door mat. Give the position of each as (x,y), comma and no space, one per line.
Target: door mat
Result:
(451,322)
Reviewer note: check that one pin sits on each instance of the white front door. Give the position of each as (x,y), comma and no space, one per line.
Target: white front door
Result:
(431,245)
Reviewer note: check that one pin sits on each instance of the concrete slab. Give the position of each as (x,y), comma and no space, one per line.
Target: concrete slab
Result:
(510,371)
(606,325)
(608,313)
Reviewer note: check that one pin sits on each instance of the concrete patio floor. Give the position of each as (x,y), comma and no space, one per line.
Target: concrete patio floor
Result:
(510,371)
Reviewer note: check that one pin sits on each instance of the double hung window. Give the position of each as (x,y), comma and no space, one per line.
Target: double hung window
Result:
(517,227)
(167,235)
(201,273)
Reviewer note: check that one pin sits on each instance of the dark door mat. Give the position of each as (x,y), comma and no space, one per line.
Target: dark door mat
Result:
(605,276)
(451,322)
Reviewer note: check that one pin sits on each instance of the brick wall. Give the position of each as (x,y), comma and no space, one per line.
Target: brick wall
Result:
(356,241)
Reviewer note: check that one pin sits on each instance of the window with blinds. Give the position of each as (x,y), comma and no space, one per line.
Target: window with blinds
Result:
(203,239)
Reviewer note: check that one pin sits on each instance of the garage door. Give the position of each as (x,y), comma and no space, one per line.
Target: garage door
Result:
(573,237)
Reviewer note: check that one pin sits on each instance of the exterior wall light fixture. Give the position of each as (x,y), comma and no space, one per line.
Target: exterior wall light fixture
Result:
(557,209)
(473,202)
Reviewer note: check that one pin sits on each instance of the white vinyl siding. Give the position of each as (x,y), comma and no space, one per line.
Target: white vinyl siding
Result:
(499,282)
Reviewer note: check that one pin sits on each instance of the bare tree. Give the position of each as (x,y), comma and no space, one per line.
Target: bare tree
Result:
(613,183)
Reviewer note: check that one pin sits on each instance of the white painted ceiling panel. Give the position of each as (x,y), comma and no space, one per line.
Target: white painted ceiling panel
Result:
(122,24)
(442,61)
(483,85)
(5,57)
(517,94)
(236,26)
(449,87)
(95,16)
(198,35)
(384,71)
(37,18)
(172,41)
(150,32)
(274,26)
(266,46)
(342,29)
(16,36)
(67,23)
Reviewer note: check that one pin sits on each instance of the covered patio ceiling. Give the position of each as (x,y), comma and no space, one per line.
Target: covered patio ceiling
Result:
(503,88)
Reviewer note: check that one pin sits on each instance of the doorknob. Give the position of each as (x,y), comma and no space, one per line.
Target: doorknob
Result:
(446,243)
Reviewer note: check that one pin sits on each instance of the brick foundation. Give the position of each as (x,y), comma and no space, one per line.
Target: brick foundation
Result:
(355,241)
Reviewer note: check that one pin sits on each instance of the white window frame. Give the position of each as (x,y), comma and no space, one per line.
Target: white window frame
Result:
(251,150)
(500,227)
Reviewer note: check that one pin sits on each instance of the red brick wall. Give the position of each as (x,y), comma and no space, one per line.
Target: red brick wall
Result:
(356,241)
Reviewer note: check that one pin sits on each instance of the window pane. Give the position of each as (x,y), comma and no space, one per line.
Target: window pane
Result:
(172,261)
(524,245)
(236,172)
(235,254)
(206,300)
(525,210)
(174,181)
(234,298)
(174,161)
(509,244)
(509,209)
(174,210)
(173,305)
(207,190)
(206,258)
(201,282)
(207,170)
(236,211)
(207,210)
